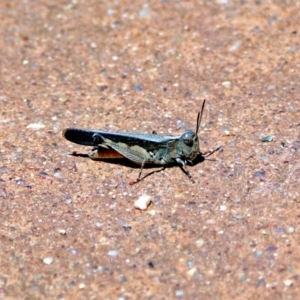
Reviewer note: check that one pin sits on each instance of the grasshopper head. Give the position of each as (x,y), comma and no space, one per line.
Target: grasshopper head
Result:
(189,140)
(189,145)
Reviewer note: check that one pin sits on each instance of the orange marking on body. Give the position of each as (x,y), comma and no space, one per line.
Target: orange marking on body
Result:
(107,153)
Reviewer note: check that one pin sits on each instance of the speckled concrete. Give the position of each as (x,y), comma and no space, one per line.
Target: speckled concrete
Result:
(69,228)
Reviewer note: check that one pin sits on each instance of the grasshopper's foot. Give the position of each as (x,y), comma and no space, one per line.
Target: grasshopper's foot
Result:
(184,169)
(134,182)
(74,153)
(189,175)
(142,178)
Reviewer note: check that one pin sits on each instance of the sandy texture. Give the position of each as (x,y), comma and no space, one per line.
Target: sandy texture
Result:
(69,228)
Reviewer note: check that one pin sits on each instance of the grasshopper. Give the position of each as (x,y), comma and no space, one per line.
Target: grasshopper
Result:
(140,148)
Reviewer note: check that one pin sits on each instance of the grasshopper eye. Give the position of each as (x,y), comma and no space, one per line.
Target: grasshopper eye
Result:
(188,138)
(188,142)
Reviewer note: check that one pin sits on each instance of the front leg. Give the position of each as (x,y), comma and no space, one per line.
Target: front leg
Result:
(183,167)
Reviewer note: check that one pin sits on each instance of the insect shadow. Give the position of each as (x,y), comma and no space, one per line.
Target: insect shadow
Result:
(127,163)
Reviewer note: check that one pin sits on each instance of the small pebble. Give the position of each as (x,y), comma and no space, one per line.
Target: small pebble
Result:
(264,158)
(288,282)
(258,254)
(98,224)
(268,138)
(62,231)
(36,126)
(260,282)
(144,12)
(113,253)
(48,260)
(110,11)
(138,88)
(279,230)
(179,293)
(73,251)
(81,286)
(293,49)
(180,124)
(93,45)
(189,263)
(63,99)
(100,268)
(232,143)
(200,243)
(68,201)
(226,84)
(259,174)
(127,228)
(142,202)
(191,272)
(20,181)
(236,45)
(271,87)
(291,229)
(152,212)
(58,174)
(211,221)
(43,174)
(271,249)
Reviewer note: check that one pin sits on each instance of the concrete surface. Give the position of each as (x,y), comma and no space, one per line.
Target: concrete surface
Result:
(69,228)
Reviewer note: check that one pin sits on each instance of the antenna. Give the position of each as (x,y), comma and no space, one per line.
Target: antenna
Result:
(199,117)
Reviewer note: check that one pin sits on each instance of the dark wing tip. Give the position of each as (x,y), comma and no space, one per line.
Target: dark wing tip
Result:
(79,136)
(69,134)
(65,132)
